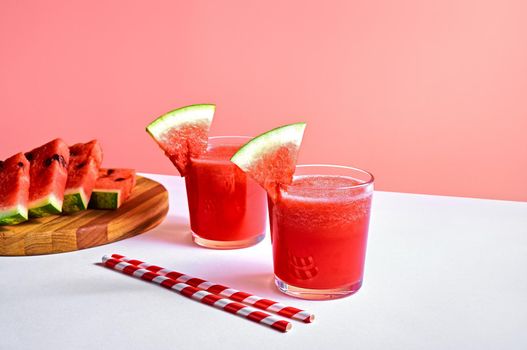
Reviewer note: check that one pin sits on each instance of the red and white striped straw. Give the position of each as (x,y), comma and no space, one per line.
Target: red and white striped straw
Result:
(202,296)
(224,291)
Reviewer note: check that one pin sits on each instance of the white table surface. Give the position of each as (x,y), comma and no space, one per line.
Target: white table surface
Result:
(441,273)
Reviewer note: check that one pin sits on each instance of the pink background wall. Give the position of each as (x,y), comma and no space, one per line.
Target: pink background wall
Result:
(431,96)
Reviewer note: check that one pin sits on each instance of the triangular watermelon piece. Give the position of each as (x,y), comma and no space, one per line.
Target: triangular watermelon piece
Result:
(48,176)
(183,133)
(270,158)
(83,170)
(112,189)
(14,189)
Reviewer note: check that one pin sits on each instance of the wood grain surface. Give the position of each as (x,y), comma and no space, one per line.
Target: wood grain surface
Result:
(145,209)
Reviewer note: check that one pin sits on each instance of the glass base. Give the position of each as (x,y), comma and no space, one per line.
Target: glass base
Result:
(316,294)
(208,243)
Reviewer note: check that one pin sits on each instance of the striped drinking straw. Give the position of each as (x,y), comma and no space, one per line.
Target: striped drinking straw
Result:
(224,291)
(202,296)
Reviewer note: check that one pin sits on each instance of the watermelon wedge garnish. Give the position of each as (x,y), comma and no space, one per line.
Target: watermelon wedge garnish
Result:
(112,189)
(83,170)
(183,133)
(270,158)
(48,176)
(14,189)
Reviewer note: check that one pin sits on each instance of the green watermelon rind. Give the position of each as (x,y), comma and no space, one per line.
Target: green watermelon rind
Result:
(104,199)
(251,153)
(75,200)
(13,216)
(49,205)
(192,114)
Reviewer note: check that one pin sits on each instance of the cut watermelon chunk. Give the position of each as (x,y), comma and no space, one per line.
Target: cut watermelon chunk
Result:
(112,189)
(183,133)
(83,170)
(270,158)
(48,176)
(14,189)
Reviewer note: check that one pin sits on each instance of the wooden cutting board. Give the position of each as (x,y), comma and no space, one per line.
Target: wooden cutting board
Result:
(144,210)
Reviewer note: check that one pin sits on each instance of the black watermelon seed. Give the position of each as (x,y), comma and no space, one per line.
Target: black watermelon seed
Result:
(1,164)
(29,156)
(110,172)
(120,179)
(81,165)
(47,162)
(20,164)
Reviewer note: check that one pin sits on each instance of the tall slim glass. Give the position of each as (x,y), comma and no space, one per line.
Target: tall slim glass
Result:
(319,229)
(227,209)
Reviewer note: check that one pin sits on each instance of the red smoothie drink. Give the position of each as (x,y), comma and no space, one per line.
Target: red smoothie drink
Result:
(227,209)
(319,229)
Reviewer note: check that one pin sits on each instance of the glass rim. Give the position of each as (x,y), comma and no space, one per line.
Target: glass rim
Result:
(366,183)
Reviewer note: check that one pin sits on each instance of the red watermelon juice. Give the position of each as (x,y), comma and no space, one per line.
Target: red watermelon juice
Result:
(227,209)
(319,229)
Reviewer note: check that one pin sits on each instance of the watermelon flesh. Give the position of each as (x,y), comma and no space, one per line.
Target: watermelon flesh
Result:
(48,176)
(14,189)
(182,144)
(183,133)
(112,188)
(275,168)
(83,170)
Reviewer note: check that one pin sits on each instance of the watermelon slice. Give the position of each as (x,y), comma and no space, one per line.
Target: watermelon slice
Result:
(183,133)
(48,176)
(83,170)
(270,158)
(112,189)
(14,189)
